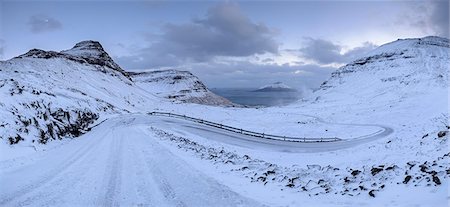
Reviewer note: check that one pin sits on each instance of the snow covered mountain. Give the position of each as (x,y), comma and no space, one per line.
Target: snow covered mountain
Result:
(392,74)
(48,95)
(178,86)
(404,84)
(276,87)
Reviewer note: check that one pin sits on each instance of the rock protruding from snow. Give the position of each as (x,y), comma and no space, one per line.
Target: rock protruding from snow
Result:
(178,86)
(276,87)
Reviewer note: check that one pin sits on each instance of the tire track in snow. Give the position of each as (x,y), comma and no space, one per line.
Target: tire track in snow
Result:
(50,175)
(160,181)
(142,185)
(114,182)
(49,196)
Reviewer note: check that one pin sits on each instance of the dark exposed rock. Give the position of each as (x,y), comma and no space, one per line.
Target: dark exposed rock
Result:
(436,179)
(355,172)
(15,140)
(423,167)
(407,179)
(375,170)
(372,193)
(442,134)
(391,167)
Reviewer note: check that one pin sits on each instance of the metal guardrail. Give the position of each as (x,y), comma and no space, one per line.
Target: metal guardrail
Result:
(246,132)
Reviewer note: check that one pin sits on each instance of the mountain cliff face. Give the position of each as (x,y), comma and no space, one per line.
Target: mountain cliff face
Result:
(178,86)
(49,95)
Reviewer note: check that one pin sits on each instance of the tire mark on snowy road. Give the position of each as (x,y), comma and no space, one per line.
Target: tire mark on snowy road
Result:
(76,156)
(114,183)
(158,178)
(58,187)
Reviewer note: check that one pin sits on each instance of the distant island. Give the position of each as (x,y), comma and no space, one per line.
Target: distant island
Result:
(275,87)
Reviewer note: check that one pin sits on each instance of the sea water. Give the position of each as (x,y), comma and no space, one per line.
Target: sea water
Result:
(247,96)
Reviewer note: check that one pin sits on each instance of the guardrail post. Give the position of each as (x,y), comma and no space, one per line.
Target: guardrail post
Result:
(321,139)
(263,135)
(284,138)
(241,131)
(304,139)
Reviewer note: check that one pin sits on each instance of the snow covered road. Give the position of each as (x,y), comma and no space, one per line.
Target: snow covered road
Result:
(187,127)
(117,163)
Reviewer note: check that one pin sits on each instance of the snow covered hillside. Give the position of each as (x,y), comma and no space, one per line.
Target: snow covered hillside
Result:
(392,73)
(49,95)
(178,86)
(276,87)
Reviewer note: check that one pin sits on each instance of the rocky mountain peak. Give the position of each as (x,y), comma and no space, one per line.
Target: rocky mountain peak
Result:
(93,53)
(89,45)
(84,52)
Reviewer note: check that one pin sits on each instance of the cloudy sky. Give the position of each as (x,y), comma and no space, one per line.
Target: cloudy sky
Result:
(225,43)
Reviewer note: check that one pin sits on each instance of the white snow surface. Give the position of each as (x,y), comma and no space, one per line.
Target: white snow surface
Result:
(135,159)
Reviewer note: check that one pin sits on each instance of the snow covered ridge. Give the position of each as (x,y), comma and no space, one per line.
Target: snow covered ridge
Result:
(87,52)
(406,49)
(278,86)
(406,62)
(178,86)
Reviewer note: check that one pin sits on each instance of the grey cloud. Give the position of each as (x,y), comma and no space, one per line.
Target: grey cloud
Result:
(326,52)
(439,17)
(358,52)
(267,60)
(321,51)
(43,23)
(145,59)
(432,17)
(224,31)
